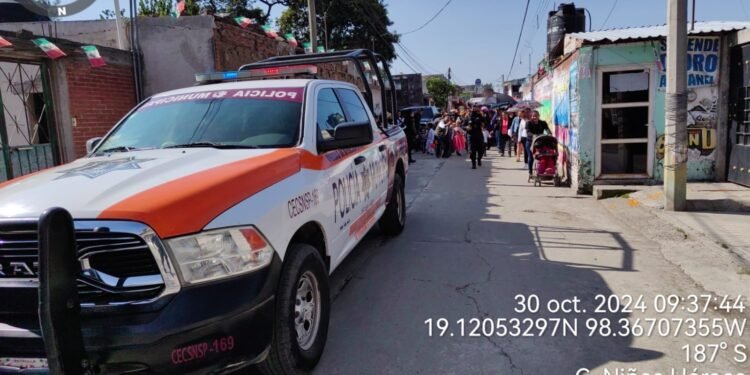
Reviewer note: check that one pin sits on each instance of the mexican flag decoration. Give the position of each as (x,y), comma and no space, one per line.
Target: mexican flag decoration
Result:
(50,49)
(178,9)
(4,42)
(290,38)
(321,49)
(270,31)
(244,22)
(307,46)
(95,59)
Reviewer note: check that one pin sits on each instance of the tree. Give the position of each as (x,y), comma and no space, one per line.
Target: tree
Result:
(440,89)
(351,24)
(109,14)
(271,3)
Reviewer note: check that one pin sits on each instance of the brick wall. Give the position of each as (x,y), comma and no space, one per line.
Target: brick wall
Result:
(235,46)
(98,98)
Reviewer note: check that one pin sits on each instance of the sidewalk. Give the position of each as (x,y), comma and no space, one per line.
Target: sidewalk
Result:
(710,241)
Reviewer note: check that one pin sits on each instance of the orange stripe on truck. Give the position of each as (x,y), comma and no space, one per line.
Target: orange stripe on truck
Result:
(187,204)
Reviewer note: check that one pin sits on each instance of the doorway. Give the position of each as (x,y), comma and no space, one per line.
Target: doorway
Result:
(624,147)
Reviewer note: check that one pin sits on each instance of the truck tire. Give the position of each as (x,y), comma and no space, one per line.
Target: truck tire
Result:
(302,312)
(394,219)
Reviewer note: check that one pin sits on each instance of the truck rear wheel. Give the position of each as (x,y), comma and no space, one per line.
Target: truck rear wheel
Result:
(394,219)
(301,316)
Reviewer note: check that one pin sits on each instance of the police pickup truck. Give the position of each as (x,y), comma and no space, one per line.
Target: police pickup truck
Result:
(203,227)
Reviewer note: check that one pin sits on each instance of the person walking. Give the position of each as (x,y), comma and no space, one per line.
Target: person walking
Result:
(459,140)
(534,128)
(476,139)
(502,134)
(522,136)
(411,134)
(430,143)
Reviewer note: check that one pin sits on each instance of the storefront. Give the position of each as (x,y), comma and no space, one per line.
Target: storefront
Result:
(605,99)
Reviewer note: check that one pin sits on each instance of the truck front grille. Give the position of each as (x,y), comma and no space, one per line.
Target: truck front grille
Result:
(116,267)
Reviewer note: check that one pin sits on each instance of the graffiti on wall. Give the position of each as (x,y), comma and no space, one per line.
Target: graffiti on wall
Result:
(702,108)
(702,62)
(573,100)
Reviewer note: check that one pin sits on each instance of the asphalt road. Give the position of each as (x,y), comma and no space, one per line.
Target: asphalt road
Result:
(475,239)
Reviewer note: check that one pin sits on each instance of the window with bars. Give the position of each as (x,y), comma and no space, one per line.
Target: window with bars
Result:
(743,127)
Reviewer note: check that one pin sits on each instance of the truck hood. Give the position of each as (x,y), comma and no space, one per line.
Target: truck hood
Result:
(175,191)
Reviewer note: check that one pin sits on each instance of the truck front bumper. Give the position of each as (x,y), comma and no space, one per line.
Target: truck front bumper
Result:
(213,327)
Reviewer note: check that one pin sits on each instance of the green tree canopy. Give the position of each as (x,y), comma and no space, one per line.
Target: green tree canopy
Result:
(351,24)
(440,89)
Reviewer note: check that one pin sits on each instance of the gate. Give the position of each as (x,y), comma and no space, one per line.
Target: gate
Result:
(739,132)
(28,136)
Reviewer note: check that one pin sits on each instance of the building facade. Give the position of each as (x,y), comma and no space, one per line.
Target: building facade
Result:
(605,101)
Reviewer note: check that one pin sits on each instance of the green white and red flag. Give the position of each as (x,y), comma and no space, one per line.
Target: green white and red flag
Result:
(95,59)
(49,48)
(244,22)
(4,42)
(291,39)
(270,31)
(307,46)
(179,7)
(321,49)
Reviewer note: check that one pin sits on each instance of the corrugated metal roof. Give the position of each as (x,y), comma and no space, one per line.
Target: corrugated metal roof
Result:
(657,31)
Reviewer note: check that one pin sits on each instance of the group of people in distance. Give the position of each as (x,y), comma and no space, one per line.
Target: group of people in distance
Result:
(473,130)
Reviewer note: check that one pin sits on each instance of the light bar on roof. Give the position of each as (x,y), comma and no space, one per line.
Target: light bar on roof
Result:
(256,73)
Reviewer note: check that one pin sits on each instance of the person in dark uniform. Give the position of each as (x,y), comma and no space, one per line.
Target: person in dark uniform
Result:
(411,134)
(476,138)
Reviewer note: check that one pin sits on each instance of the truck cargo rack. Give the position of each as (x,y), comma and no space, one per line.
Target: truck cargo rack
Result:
(358,57)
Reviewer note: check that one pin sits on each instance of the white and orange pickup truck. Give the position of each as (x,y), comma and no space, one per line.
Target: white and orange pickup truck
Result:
(207,222)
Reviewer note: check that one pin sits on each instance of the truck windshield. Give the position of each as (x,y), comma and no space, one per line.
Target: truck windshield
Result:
(253,118)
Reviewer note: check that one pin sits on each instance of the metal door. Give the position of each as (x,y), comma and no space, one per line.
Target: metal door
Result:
(739,132)
(28,138)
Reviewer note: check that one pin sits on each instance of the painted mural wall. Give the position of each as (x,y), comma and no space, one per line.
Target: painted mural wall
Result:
(703,104)
(703,98)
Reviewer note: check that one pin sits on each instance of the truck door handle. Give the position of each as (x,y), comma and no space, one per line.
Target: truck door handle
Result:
(381,148)
(359,160)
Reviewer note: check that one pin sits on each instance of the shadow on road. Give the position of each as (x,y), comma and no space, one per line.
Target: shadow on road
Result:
(461,260)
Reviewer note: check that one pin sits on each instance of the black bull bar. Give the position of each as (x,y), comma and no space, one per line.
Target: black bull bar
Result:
(59,306)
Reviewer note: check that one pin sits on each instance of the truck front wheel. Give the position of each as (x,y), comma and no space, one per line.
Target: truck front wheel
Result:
(394,219)
(302,313)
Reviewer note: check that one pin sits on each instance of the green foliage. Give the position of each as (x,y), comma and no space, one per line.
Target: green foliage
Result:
(163,8)
(440,89)
(109,14)
(351,24)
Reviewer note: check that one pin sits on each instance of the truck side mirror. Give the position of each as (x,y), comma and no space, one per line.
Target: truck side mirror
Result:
(347,135)
(92,143)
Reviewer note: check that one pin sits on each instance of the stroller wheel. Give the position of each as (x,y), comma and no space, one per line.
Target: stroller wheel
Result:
(556,181)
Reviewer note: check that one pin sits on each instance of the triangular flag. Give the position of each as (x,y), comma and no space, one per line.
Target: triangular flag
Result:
(95,59)
(307,46)
(244,22)
(270,31)
(178,9)
(4,42)
(50,49)
(321,49)
(291,40)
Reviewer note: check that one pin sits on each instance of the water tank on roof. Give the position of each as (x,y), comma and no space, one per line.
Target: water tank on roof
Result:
(566,19)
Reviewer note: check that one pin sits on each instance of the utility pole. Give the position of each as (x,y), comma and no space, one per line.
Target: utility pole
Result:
(325,27)
(118,23)
(675,134)
(313,25)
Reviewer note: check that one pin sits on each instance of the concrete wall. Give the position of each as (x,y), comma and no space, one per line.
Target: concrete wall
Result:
(173,50)
(98,32)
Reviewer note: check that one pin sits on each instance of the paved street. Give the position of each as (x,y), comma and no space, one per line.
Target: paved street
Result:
(474,240)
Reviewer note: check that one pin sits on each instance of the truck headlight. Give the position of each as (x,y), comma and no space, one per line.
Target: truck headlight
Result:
(220,253)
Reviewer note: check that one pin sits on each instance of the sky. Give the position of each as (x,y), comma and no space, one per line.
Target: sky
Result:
(477,38)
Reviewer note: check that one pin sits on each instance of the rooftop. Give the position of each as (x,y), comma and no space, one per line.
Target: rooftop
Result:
(656,31)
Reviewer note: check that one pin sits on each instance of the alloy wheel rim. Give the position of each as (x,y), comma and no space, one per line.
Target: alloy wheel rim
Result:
(307,310)
(400,205)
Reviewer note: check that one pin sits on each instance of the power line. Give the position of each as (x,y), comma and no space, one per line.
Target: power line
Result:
(430,20)
(520,33)
(614,4)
